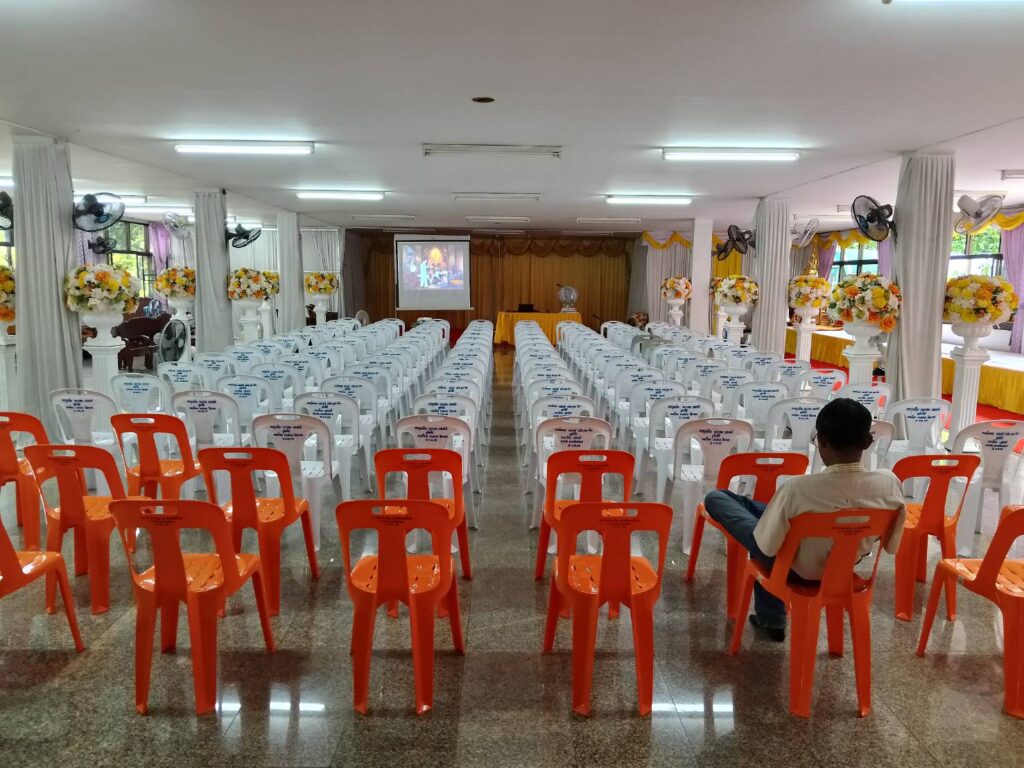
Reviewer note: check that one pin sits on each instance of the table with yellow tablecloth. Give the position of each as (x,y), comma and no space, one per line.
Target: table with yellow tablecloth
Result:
(999,387)
(504,326)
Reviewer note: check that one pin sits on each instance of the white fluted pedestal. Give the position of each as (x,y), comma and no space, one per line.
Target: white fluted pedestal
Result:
(103,348)
(9,400)
(968,360)
(804,331)
(720,318)
(181,308)
(861,356)
(266,320)
(320,301)
(675,311)
(735,326)
(249,320)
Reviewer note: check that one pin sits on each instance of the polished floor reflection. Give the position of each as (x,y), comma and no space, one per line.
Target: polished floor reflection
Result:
(503,703)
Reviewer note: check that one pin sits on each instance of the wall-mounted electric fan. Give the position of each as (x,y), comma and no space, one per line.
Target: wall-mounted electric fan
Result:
(94,213)
(101,246)
(736,239)
(804,238)
(177,225)
(6,212)
(241,237)
(976,213)
(872,219)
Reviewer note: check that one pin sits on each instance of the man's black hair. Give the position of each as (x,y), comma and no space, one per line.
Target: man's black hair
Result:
(846,424)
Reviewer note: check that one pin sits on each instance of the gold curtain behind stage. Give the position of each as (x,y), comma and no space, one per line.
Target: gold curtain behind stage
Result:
(509,271)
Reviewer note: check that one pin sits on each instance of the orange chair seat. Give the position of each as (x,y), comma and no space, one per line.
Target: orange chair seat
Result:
(168,468)
(808,589)
(203,572)
(1010,579)
(585,574)
(96,508)
(424,573)
(269,510)
(30,562)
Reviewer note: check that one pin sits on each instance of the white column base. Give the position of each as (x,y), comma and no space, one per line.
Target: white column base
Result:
(734,331)
(966,379)
(804,332)
(250,327)
(104,362)
(266,320)
(720,320)
(861,364)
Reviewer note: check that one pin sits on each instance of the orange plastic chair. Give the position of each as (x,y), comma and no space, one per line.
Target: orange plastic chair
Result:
(18,471)
(202,581)
(267,516)
(928,519)
(155,476)
(417,464)
(87,516)
(583,583)
(999,580)
(592,468)
(423,582)
(19,568)
(840,589)
(766,469)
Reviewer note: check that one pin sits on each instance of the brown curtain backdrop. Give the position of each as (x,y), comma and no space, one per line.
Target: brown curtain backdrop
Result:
(509,271)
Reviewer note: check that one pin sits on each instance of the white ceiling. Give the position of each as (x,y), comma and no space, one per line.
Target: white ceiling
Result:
(852,83)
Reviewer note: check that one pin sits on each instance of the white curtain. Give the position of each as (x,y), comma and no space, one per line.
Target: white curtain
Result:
(183,251)
(49,340)
(649,267)
(924,219)
(771,267)
(291,302)
(322,249)
(214,329)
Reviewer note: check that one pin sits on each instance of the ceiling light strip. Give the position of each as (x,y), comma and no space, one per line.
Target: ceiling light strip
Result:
(730,154)
(542,150)
(338,194)
(648,200)
(244,147)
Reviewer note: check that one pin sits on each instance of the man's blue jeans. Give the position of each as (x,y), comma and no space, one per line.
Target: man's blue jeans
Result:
(739,516)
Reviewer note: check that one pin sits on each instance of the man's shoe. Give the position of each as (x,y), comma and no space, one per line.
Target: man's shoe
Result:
(775,634)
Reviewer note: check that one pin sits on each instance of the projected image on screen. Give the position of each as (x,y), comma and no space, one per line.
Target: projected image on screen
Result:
(432,273)
(433,266)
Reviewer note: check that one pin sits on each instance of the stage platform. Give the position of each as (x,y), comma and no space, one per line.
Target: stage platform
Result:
(1002,378)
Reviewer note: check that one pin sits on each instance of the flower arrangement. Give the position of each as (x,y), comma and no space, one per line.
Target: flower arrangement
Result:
(101,288)
(808,291)
(868,298)
(321,283)
(677,287)
(273,282)
(736,289)
(176,283)
(248,285)
(978,299)
(6,294)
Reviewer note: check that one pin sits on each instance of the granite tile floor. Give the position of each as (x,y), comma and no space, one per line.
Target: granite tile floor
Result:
(503,703)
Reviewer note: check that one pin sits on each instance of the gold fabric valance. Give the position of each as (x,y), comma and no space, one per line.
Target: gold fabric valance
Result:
(543,247)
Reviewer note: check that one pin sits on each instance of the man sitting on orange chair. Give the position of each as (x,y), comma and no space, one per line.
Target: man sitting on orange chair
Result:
(843,434)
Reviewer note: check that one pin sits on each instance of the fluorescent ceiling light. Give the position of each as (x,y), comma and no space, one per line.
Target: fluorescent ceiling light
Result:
(126,199)
(727,154)
(648,200)
(382,217)
(497,219)
(500,231)
(535,196)
(329,194)
(6,181)
(408,230)
(585,233)
(157,210)
(962,2)
(245,148)
(958,193)
(606,220)
(1013,175)
(548,150)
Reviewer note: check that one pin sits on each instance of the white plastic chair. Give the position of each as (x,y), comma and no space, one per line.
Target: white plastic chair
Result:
(370,434)
(822,382)
(288,433)
(459,407)
(789,372)
(141,393)
(309,369)
(83,418)
(697,375)
(756,399)
(761,365)
(872,396)
(425,431)
(726,385)
(798,414)
(182,376)
(341,414)
(996,441)
(882,433)
(922,420)
(245,357)
(219,365)
(283,379)
(666,416)
(252,394)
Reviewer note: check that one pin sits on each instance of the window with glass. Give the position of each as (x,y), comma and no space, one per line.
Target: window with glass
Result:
(979,254)
(854,259)
(132,252)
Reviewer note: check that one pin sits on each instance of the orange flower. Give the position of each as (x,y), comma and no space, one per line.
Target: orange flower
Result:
(895,289)
(888,324)
(852,291)
(847,316)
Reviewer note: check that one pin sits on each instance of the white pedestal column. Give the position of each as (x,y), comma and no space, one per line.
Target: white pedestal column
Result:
(675,311)
(968,360)
(266,320)
(735,326)
(249,321)
(804,330)
(103,348)
(861,356)
(720,319)
(9,400)
(320,301)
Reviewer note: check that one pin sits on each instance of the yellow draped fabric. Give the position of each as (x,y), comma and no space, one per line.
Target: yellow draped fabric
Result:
(732,265)
(999,387)
(676,238)
(842,239)
(504,326)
